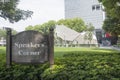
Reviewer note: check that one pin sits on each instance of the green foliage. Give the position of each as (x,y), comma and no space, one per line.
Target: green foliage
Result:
(60,51)
(30,27)
(14,32)
(90,27)
(76,24)
(89,33)
(85,66)
(3,33)
(48,25)
(112,25)
(9,10)
(112,9)
(75,64)
(20,72)
(44,28)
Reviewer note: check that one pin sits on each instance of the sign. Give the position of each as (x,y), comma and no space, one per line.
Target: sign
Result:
(29,47)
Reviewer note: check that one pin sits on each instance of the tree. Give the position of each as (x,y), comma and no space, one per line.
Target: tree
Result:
(112,25)
(14,32)
(76,24)
(43,28)
(46,26)
(30,27)
(112,7)
(112,22)
(9,11)
(89,33)
(3,33)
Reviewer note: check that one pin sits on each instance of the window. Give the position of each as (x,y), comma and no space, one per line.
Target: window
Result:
(93,7)
(96,7)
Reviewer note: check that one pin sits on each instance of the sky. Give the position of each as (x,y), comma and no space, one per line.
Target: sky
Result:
(43,11)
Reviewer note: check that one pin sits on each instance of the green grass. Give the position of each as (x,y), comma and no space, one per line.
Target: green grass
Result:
(2,50)
(60,51)
(2,55)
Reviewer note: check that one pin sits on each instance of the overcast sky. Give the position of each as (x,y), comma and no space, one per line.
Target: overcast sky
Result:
(44,10)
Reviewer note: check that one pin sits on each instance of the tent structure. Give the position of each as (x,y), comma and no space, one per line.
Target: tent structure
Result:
(81,39)
(65,33)
(66,36)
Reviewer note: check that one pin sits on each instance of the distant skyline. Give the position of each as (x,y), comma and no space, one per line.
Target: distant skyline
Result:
(44,10)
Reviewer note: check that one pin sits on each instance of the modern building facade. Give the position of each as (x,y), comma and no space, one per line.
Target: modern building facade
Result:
(88,10)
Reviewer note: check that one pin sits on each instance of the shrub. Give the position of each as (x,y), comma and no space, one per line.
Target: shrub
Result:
(73,65)
(85,66)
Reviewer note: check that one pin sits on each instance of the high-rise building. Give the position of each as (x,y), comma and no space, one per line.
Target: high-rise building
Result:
(89,10)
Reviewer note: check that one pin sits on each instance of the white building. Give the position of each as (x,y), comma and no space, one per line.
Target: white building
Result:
(90,11)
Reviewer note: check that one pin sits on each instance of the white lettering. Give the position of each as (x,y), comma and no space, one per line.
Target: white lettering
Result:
(28,53)
(29,45)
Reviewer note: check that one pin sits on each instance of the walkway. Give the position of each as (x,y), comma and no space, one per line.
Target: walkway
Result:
(110,47)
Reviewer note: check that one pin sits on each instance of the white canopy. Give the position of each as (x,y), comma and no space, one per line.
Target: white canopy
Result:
(65,33)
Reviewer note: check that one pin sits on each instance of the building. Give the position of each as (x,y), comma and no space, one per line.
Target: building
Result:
(65,36)
(89,10)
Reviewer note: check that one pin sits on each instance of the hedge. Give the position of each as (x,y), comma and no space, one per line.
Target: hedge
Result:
(72,66)
(85,66)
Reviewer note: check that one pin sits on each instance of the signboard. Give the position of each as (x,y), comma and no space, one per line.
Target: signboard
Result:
(29,47)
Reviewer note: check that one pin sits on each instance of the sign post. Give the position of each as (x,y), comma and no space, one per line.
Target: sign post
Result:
(51,47)
(8,48)
(30,47)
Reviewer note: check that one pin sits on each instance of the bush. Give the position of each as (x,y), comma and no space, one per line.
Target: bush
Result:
(81,65)
(22,72)
(85,66)
(18,71)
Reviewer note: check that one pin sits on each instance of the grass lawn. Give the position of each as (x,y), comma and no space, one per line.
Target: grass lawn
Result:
(60,51)
(2,55)
(2,50)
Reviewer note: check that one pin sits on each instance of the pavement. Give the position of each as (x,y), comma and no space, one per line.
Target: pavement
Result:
(110,47)
(115,48)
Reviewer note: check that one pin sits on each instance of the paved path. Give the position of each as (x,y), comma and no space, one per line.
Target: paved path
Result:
(115,48)
(110,47)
